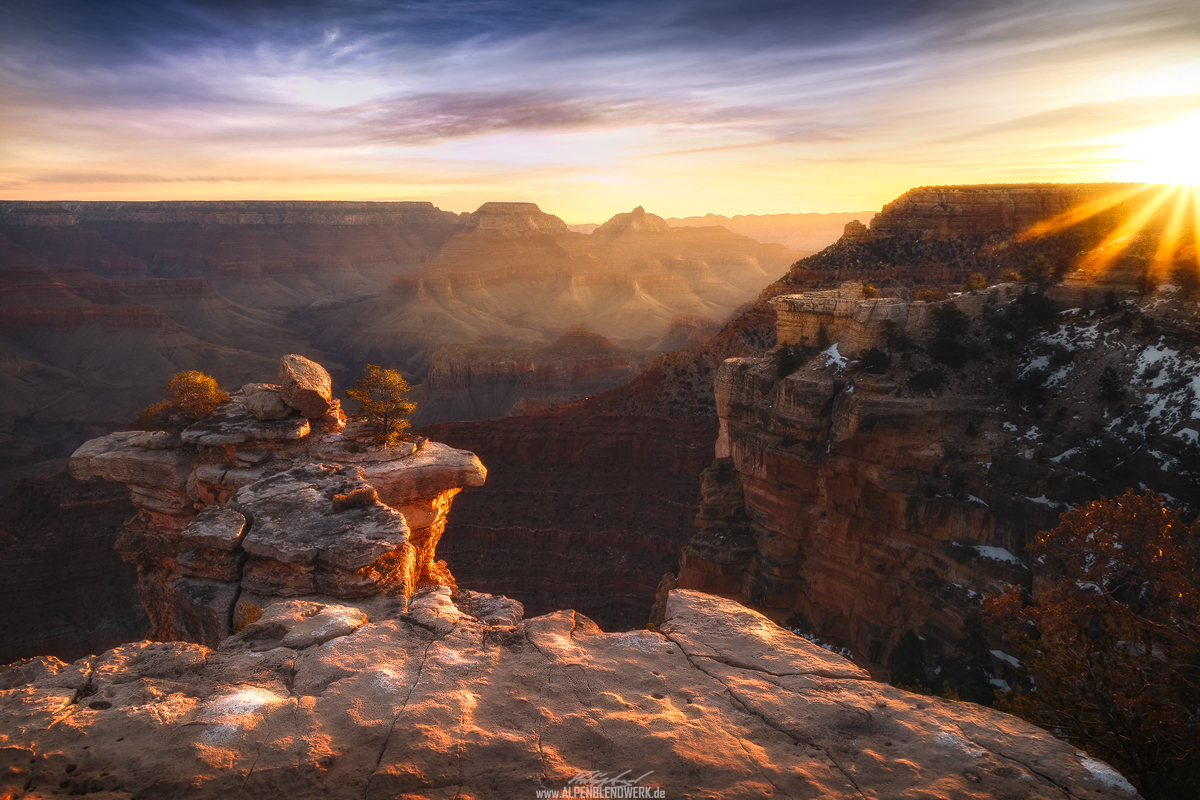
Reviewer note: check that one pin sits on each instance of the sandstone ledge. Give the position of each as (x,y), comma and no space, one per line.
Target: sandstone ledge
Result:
(470,710)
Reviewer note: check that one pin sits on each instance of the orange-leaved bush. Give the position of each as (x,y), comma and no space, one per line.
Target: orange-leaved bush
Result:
(1111,640)
(194,396)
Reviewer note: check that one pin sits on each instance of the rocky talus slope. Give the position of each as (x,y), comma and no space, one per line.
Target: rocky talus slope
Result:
(258,502)
(446,700)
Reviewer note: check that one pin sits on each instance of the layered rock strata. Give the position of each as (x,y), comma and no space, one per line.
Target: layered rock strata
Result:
(237,509)
(858,503)
(314,700)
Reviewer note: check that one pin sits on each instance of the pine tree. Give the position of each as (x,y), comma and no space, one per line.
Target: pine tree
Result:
(381,403)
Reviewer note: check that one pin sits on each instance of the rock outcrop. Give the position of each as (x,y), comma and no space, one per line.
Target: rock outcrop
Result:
(859,502)
(314,700)
(238,510)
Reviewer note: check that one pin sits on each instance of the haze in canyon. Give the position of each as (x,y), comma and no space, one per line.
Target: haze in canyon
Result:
(806,399)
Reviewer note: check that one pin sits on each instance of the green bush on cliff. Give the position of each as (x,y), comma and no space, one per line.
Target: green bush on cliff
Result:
(380,394)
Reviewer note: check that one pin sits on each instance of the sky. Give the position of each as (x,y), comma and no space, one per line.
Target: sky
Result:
(591,108)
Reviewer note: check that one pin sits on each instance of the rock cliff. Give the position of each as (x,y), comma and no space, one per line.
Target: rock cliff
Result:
(240,510)
(860,498)
(313,700)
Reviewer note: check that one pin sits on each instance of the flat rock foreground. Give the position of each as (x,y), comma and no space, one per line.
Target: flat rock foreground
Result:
(312,700)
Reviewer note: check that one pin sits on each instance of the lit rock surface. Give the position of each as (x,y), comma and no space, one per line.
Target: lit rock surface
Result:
(312,701)
(305,386)
(239,511)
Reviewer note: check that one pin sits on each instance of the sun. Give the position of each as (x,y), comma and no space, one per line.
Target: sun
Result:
(1167,153)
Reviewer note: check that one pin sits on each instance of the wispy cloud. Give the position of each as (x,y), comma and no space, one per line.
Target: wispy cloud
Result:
(741,106)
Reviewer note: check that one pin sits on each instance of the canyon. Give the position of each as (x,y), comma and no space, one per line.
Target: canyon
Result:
(860,453)
(104,301)
(669,410)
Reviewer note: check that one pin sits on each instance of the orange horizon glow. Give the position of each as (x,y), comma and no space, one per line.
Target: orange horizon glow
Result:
(591,109)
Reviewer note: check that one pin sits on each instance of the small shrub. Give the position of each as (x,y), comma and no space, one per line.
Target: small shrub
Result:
(975,282)
(194,396)
(245,613)
(950,322)
(876,361)
(869,291)
(897,341)
(1187,279)
(927,380)
(364,497)
(1037,308)
(1112,388)
(1032,389)
(1010,276)
(930,296)
(908,663)
(949,352)
(1040,271)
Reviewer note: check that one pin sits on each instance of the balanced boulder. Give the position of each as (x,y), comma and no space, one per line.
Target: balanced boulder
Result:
(305,386)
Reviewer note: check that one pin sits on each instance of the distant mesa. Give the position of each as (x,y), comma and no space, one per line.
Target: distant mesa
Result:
(515,218)
(806,233)
(636,221)
(580,341)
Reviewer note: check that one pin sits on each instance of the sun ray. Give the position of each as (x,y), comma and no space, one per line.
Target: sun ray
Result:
(1116,244)
(1194,191)
(1168,242)
(1073,216)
